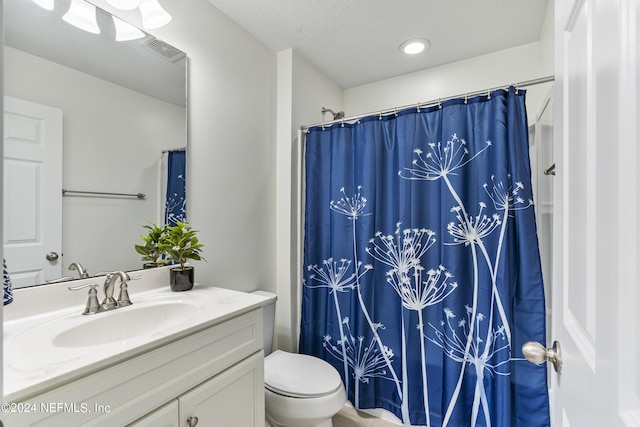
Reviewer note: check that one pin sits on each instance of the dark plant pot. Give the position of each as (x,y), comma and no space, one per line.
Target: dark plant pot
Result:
(149,265)
(181,280)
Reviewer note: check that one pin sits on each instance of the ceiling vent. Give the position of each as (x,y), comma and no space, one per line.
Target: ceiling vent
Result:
(165,50)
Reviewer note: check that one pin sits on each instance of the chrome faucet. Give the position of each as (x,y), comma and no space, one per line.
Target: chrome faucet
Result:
(76,266)
(109,303)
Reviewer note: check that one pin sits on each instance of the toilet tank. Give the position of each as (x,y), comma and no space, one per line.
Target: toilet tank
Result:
(268,317)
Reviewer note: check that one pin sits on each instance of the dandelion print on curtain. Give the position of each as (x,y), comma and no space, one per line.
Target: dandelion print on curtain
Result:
(176,198)
(422,275)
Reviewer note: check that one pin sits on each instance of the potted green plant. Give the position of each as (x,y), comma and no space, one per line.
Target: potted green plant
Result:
(152,249)
(180,244)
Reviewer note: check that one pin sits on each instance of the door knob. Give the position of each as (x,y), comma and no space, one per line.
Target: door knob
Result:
(51,256)
(535,352)
(192,421)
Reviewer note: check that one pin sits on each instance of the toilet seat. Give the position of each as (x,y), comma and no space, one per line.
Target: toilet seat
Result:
(299,375)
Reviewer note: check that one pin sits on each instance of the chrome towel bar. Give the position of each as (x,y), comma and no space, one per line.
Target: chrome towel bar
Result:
(140,196)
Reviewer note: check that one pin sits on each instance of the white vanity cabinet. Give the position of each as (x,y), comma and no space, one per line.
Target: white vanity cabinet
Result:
(229,399)
(215,374)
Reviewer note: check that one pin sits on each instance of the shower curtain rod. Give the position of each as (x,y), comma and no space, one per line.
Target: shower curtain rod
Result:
(174,149)
(433,102)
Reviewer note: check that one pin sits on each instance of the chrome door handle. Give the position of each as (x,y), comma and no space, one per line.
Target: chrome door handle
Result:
(535,352)
(51,256)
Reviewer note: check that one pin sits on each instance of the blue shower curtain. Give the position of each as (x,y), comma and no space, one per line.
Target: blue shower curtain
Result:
(422,273)
(176,197)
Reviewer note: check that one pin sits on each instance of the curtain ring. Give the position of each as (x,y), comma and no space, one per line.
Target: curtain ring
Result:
(418,107)
(395,113)
(488,93)
(342,122)
(380,116)
(465,98)
(439,104)
(517,88)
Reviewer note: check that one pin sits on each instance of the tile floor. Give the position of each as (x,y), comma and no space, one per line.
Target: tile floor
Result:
(350,417)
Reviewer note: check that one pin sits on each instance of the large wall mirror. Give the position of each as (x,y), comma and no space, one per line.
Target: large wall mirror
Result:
(103,114)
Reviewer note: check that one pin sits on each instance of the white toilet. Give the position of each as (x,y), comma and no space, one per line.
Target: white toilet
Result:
(300,390)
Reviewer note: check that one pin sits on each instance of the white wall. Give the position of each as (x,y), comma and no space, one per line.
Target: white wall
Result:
(496,69)
(112,142)
(302,92)
(231,158)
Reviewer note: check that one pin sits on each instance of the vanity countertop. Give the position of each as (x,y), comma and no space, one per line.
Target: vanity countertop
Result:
(34,361)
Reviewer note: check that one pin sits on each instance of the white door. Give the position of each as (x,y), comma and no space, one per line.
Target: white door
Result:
(595,295)
(32,191)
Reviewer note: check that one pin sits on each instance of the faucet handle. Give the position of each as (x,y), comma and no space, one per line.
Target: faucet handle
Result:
(93,306)
(78,287)
(123,298)
(61,279)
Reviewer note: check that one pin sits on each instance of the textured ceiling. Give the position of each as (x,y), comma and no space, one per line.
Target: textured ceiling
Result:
(357,41)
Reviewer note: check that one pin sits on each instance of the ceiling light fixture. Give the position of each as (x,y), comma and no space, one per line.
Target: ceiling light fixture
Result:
(45,4)
(124,4)
(153,15)
(82,15)
(126,31)
(415,46)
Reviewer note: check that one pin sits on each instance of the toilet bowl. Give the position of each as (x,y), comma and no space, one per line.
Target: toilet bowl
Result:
(300,390)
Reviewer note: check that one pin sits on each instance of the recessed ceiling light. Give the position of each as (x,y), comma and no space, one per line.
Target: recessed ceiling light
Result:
(415,46)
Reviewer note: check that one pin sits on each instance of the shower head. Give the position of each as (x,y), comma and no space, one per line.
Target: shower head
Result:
(336,116)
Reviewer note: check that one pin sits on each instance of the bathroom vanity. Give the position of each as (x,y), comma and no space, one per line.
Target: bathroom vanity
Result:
(171,359)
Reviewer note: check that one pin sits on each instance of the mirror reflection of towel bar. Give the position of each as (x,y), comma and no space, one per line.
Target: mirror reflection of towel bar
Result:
(140,196)
(551,170)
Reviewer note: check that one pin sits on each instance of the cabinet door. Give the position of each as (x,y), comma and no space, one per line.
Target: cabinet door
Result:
(234,397)
(166,416)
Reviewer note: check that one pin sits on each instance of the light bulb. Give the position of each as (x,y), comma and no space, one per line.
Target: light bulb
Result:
(45,4)
(124,4)
(126,31)
(82,15)
(414,46)
(153,15)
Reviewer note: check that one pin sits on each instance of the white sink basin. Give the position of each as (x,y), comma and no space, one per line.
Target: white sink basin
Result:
(144,319)
(125,323)
(70,335)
